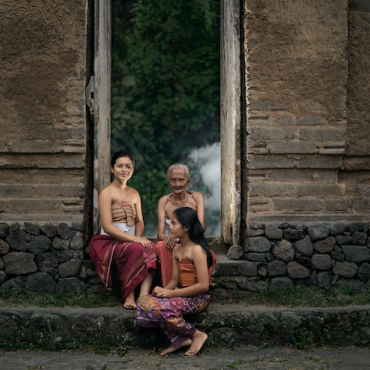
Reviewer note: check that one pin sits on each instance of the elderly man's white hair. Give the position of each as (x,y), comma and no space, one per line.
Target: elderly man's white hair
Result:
(181,165)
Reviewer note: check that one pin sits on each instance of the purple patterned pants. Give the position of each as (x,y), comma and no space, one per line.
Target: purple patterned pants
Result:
(168,313)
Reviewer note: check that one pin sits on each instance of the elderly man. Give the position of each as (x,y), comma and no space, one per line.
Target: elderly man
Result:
(178,176)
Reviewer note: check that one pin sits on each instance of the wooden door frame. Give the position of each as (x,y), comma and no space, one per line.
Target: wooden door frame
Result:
(231,163)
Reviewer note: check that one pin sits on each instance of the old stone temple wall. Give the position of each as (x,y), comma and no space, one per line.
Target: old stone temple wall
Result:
(45,168)
(306,150)
(296,143)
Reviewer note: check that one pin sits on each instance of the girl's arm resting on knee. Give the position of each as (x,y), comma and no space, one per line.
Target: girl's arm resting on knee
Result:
(169,289)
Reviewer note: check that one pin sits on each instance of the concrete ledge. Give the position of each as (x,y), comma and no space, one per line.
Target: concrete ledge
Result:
(226,325)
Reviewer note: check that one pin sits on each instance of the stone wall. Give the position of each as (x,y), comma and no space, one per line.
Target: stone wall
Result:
(297,141)
(45,257)
(306,147)
(51,258)
(44,151)
(291,255)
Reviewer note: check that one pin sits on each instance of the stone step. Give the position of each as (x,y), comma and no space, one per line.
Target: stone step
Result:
(226,325)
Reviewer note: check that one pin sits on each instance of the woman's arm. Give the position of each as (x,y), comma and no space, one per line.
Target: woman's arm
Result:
(161,218)
(200,210)
(139,223)
(174,282)
(169,242)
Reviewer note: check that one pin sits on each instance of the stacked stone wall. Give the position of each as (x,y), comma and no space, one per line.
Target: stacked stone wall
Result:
(292,255)
(52,258)
(46,257)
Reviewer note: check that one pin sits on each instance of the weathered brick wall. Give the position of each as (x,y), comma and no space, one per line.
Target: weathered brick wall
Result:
(355,170)
(304,138)
(307,151)
(43,143)
(45,159)
(297,68)
(306,189)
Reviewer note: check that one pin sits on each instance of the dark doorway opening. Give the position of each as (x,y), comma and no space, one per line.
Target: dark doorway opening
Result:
(165,97)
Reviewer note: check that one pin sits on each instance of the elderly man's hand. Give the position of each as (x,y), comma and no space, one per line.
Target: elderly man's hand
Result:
(169,242)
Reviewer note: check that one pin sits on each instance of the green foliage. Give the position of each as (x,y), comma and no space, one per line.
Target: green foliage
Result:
(165,86)
(303,339)
(165,79)
(285,297)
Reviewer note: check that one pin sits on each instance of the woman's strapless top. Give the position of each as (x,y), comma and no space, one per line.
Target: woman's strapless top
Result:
(188,273)
(122,226)
(122,211)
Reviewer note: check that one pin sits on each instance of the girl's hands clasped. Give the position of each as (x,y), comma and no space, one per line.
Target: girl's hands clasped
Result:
(163,292)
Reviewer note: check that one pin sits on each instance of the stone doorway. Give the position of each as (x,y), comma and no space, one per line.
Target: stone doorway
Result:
(231,96)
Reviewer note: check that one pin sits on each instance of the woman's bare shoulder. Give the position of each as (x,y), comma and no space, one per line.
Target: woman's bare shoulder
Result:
(107,191)
(176,250)
(131,195)
(132,190)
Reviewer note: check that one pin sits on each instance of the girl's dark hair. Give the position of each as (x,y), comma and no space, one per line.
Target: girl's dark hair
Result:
(188,218)
(119,154)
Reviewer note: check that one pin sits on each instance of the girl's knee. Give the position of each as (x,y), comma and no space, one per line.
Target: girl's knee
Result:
(146,302)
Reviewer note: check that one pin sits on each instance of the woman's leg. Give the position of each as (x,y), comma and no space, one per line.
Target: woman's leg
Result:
(146,284)
(134,263)
(129,302)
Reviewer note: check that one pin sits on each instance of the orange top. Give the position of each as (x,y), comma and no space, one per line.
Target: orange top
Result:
(122,211)
(188,272)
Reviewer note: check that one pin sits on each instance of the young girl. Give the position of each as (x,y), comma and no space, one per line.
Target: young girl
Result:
(188,290)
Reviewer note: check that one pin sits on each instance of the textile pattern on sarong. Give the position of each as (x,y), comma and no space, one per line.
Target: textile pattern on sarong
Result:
(133,261)
(168,313)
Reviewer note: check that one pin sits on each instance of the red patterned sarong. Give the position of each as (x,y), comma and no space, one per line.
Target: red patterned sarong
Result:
(165,257)
(133,261)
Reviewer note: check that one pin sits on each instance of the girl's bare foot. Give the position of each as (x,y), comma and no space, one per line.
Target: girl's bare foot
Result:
(172,348)
(198,340)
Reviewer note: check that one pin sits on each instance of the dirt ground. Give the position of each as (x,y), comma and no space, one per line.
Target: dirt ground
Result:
(245,357)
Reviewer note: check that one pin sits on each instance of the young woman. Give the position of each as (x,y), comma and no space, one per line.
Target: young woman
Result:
(178,177)
(188,290)
(121,241)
